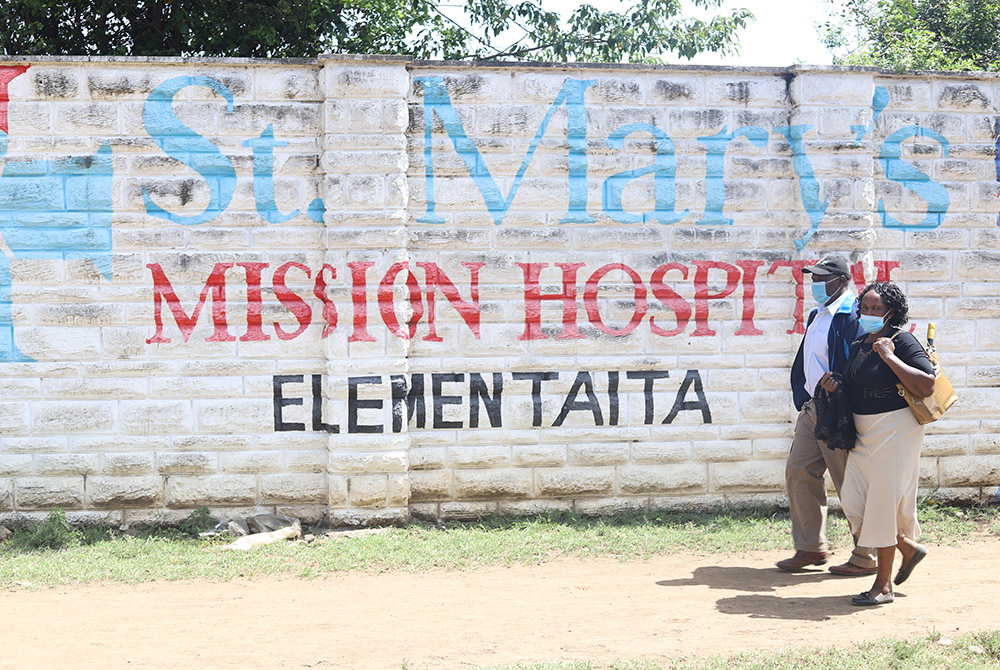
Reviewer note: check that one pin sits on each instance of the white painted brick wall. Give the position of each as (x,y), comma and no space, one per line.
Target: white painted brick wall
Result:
(111,421)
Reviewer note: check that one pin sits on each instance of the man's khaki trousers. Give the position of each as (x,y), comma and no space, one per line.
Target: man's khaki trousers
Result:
(807,461)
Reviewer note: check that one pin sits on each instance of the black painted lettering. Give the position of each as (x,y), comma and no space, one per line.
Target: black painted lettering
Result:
(280,401)
(612,398)
(317,408)
(680,404)
(354,404)
(440,400)
(536,391)
(583,380)
(648,377)
(414,397)
(477,391)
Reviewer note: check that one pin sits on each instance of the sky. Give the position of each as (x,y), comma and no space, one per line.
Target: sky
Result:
(783,34)
(780,36)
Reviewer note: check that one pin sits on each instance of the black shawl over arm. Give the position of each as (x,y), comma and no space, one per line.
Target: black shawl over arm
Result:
(834,418)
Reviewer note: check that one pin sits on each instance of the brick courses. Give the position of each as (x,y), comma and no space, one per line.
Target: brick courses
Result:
(369,288)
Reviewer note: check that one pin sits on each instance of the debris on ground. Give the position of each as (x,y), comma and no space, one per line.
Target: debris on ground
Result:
(257,531)
(5,533)
(262,529)
(238,527)
(259,523)
(265,523)
(248,542)
(362,532)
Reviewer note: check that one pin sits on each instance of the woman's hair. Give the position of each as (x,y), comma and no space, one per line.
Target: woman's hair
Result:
(893,299)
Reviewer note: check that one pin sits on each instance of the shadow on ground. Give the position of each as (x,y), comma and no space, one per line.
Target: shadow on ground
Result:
(746,579)
(821,608)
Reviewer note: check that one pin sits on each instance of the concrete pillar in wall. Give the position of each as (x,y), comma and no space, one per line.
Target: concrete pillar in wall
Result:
(364,161)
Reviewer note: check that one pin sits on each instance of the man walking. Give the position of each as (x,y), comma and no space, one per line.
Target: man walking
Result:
(830,329)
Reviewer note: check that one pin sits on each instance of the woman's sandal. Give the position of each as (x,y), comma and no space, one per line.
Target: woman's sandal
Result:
(904,571)
(865,598)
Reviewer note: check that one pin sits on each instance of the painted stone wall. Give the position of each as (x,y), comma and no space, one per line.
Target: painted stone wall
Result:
(369,288)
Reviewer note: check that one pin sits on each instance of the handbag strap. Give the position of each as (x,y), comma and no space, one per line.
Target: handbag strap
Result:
(931,356)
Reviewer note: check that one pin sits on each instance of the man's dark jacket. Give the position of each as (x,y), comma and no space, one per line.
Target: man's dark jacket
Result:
(844,330)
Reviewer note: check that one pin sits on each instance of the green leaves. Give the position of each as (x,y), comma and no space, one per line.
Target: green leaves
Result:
(260,28)
(916,34)
(647,31)
(52,533)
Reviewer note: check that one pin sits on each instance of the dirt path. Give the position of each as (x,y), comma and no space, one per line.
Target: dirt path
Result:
(598,610)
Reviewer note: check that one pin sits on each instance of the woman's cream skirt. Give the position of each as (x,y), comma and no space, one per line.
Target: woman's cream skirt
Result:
(879,495)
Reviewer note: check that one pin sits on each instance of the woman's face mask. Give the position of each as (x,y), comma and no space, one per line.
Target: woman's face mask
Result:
(871,323)
(873,313)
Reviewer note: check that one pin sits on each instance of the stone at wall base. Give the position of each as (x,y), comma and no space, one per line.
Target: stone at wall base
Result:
(363,518)
(307,514)
(313,515)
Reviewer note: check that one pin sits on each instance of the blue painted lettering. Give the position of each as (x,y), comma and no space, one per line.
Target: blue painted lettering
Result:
(178,141)
(879,102)
(715,164)
(808,186)
(664,171)
(437,101)
(263,180)
(896,169)
(52,209)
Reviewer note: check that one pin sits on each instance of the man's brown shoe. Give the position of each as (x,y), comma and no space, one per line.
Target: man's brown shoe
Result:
(850,570)
(802,559)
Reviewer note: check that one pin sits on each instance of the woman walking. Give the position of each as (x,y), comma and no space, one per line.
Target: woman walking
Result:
(879,494)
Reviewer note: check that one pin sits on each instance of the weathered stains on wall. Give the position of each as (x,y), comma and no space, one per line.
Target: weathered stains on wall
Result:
(372,288)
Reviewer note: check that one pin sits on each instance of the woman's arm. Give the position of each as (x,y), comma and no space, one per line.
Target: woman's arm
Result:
(916,381)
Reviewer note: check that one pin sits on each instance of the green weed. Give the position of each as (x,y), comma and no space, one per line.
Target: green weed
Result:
(52,533)
(198,521)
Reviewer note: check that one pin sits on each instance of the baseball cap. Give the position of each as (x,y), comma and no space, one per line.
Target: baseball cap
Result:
(829,266)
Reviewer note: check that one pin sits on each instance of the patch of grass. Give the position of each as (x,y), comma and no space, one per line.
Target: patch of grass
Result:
(108,555)
(964,653)
(948,523)
(52,533)
(990,642)
(969,652)
(198,521)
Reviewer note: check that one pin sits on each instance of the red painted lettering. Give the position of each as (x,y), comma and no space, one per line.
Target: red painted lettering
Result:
(858,275)
(437,279)
(670,299)
(359,296)
(883,270)
(255,331)
(7,74)
(749,291)
(329,309)
(163,291)
(702,296)
(590,299)
(533,301)
(291,301)
(800,327)
(387,305)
